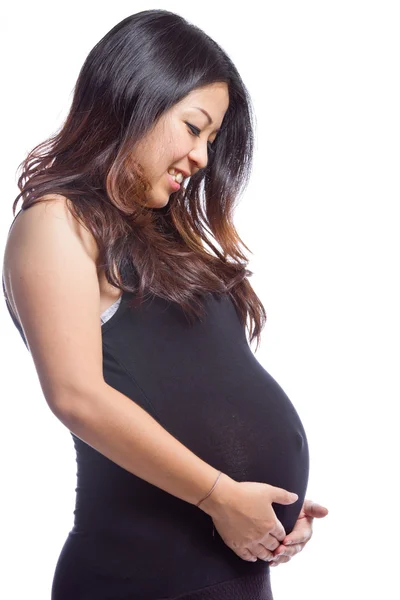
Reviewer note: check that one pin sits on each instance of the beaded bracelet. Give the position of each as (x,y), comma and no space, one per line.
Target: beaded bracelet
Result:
(220,473)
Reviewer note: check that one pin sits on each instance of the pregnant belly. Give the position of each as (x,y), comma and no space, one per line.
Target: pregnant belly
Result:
(244,425)
(231,413)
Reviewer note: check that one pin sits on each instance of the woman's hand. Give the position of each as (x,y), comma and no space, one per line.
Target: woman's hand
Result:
(301,533)
(243,515)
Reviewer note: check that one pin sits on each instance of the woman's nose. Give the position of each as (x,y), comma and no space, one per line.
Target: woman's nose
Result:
(199,155)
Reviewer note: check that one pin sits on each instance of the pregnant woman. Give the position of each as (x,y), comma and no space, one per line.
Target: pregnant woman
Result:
(124,277)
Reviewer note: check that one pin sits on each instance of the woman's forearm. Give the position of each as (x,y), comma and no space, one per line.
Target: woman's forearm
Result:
(125,433)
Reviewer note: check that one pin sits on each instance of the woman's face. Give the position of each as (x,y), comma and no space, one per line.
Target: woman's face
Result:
(174,144)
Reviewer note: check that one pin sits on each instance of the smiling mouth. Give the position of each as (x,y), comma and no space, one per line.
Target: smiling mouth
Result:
(173,184)
(178,175)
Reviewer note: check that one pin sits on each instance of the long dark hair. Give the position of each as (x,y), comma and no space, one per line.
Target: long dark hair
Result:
(142,67)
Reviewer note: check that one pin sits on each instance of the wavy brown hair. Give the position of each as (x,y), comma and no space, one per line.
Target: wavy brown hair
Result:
(142,67)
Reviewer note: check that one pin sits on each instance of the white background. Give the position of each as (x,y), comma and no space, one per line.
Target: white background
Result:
(321,218)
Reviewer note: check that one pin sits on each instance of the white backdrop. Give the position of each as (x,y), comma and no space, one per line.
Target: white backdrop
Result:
(321,218)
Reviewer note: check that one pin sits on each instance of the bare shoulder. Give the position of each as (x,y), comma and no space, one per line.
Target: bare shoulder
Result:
(48,207)
(37,218)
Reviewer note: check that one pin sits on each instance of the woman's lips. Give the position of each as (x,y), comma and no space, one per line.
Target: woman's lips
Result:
(174,184)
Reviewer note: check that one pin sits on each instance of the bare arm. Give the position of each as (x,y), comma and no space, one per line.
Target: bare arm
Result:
(125,433)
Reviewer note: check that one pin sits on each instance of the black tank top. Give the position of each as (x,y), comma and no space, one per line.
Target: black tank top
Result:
(203,384)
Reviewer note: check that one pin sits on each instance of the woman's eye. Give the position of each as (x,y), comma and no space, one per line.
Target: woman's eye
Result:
(196,131)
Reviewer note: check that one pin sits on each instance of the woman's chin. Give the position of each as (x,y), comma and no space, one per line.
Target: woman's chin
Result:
(157,202)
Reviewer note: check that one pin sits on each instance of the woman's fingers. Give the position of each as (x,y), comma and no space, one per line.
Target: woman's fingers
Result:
(278,561)
(315,510)
(301,532)
(262,552)
(285,553)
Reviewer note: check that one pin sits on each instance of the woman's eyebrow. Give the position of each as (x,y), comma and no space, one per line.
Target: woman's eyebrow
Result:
(207,115)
